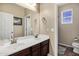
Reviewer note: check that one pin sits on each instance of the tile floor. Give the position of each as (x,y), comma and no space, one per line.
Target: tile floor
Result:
(66,51)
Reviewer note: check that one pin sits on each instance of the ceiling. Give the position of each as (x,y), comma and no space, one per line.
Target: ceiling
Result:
(31,6)
(60,4)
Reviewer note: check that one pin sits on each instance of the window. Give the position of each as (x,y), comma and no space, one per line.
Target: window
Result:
(67,16)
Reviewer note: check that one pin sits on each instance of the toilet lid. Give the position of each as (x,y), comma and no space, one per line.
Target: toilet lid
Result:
(75,44)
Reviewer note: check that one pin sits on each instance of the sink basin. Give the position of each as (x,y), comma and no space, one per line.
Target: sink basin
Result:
(28,39)
(22,40)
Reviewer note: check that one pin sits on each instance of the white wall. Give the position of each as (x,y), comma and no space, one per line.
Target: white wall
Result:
(49,11)
(67,32)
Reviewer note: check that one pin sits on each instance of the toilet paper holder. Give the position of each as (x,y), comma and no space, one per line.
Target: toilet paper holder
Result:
(76,38)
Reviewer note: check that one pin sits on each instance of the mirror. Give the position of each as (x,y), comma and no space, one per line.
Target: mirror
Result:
(17,21)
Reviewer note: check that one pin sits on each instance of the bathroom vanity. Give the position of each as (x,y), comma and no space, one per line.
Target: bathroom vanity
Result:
(40,49)
(27,46)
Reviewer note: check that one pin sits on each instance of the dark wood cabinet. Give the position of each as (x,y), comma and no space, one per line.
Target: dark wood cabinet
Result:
(45,48)
(36,50)
(25,52)
(41,49)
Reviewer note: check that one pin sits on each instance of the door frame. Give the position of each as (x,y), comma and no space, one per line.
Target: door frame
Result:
(25,24)
(56,31)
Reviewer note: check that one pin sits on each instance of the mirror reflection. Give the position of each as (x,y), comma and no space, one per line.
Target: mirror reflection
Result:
(18,21)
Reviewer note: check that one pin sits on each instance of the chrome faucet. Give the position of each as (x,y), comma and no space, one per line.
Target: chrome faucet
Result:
(13,40)
(36,36)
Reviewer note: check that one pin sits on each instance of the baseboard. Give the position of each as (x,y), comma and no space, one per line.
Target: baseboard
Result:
(65,45)
(49,54)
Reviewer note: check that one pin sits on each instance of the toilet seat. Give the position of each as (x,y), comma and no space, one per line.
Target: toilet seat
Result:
(76,47)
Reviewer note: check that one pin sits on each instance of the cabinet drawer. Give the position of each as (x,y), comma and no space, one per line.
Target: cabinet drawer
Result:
(24,52)
(45,42)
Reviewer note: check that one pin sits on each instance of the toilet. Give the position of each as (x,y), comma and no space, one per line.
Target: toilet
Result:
(75,45)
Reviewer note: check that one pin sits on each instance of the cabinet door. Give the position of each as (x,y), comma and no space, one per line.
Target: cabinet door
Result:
(36,50)
(44,48)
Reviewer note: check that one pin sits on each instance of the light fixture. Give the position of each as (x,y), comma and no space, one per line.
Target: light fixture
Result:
(32,4)
(28,5)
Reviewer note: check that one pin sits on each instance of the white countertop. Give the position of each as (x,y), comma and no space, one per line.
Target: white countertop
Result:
(22,43)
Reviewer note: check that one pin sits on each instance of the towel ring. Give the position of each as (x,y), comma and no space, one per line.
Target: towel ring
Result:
(44,20)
